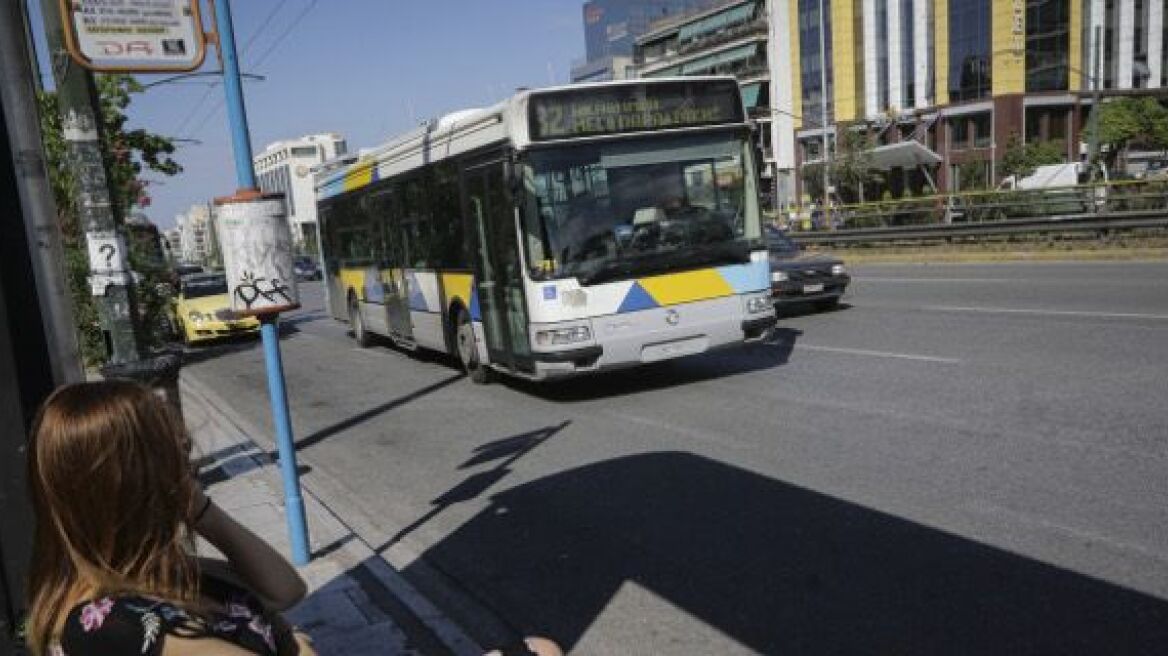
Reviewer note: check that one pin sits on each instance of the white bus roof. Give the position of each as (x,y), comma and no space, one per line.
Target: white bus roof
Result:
(453,134)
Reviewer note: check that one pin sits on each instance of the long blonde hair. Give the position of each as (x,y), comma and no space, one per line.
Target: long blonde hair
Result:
(111,484)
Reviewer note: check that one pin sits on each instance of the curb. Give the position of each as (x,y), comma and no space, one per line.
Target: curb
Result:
(444,629)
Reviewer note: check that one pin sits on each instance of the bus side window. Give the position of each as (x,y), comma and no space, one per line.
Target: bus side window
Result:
(448,237)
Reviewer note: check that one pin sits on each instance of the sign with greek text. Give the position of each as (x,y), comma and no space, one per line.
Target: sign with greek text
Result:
(633,108)
(257,254)
(134,36)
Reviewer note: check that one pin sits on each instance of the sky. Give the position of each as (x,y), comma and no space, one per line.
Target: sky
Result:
(367,69)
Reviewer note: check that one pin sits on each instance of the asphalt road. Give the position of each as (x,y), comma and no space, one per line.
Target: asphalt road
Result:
(962,459)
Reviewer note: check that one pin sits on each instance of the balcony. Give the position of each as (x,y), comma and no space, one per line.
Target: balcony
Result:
(754,27)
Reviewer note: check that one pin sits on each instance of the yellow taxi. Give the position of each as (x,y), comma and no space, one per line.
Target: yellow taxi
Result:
(201,310)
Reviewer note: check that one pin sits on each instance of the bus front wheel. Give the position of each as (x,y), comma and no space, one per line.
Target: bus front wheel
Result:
(468,351)
(357,322)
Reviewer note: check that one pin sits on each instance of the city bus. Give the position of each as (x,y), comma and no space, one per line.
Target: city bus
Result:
(562,231)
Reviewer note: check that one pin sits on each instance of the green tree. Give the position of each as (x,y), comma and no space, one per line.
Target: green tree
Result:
(851,168)
(1022,159)
(1131,121)
(128,153)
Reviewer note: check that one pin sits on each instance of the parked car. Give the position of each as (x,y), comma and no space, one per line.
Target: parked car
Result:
(181,270)
(305,268)
(799,277)
(201,310)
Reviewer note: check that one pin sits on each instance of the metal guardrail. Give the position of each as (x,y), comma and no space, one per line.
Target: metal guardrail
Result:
(1099,207)
(1079,223)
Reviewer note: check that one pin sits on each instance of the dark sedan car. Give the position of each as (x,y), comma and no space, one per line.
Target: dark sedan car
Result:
(305,268)
(800,277)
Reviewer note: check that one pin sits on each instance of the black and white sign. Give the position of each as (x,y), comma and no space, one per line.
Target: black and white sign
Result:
(257,254)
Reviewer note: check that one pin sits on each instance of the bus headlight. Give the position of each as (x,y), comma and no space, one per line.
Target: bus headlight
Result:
(563,336)
(196,317)
(758,304)
(838,270)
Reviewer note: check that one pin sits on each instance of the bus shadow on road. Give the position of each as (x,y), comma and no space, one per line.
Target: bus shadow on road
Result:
(772,352)
(774,567)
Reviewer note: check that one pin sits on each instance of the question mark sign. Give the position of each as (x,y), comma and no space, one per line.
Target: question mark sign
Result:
(108,251)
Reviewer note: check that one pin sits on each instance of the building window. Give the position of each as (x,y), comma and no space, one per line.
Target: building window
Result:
(959,133)
(969,49)
(907,63)
(811,60)
(882,90)
(982,130)
(1048,24)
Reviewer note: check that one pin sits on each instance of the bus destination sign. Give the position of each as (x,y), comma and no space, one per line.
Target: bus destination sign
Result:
(644,107)
(134,36)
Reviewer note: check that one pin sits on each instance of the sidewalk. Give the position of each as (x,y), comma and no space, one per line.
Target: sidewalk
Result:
(354,605)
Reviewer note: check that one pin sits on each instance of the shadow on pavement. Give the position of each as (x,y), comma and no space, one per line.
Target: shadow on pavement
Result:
(329,431)
(757,356)
(220,346)
(808,307)
(504,453)
(775,567)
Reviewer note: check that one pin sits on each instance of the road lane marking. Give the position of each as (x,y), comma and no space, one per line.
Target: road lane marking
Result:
(1055,313)
(989,508)
(975,280)
(878,354)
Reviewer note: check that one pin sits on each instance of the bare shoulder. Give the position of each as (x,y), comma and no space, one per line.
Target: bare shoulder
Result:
(180,646)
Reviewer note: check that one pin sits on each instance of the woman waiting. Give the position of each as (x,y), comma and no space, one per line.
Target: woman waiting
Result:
(117,507)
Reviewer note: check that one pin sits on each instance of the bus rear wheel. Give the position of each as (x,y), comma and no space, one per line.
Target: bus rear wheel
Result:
(468,351)
(357,322)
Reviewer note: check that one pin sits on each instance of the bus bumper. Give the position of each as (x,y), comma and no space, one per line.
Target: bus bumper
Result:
(634,338)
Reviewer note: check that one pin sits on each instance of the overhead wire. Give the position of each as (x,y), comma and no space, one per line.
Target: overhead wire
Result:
(277,6)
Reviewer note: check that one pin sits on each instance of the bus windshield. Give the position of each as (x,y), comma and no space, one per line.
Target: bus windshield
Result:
(618,209)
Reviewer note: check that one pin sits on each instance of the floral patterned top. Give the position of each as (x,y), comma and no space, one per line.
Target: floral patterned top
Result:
(135,625)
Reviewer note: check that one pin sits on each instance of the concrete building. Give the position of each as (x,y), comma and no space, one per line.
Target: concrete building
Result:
(197,236)
(733,38)
(172,238)
(611,67)
(286,167)
(612,26)
(943,84)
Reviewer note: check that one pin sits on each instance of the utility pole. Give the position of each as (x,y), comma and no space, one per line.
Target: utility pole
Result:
(823,115)
(1096,101)
(110,279)
(251,211)
(18,79)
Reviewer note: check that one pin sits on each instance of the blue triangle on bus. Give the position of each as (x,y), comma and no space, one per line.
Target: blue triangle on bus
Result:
(637,299)
(475,312)
(417,299)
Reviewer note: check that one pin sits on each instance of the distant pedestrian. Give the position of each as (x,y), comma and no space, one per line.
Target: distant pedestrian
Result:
(118,507)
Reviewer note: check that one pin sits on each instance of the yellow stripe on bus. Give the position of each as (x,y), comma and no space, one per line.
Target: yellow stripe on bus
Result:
(457,286)
(359,178)
(674,288)
(354,279)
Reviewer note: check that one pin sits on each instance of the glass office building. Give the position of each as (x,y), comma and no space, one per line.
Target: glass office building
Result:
(951,81)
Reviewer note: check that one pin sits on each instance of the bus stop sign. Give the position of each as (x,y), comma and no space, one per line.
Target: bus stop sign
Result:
(134,36)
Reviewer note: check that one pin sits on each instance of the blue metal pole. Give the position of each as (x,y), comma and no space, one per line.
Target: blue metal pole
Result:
(293,502)
(236,112)
(245,175)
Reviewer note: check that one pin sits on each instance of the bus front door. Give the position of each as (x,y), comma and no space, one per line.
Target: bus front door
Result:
(498,269)
(397,296)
